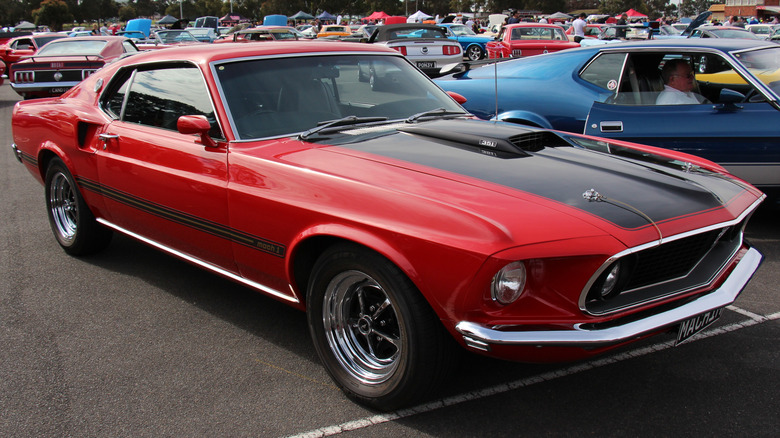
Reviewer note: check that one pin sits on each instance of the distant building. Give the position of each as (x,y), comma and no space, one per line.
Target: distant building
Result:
(761,9)
(718,12)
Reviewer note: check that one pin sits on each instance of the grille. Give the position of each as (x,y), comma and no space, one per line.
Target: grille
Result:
(671,268)
(670,260)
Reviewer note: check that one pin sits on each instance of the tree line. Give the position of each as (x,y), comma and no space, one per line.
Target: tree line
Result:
(59,13)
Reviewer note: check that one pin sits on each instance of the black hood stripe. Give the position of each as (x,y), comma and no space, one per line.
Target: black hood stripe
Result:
(564,173)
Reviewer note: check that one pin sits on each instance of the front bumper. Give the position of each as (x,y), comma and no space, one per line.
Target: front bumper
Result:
(480,337)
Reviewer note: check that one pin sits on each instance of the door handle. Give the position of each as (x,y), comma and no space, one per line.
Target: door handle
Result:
(611,126)
(105,138)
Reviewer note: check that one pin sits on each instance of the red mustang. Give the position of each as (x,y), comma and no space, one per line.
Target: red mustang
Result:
(22,46)
(63,63)
(397,221)
(527,39)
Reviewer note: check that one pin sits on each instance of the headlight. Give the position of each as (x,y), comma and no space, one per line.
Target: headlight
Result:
(609,286)
(508,283)
(613,280)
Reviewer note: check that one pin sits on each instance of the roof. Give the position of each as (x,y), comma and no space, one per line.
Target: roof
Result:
(207,53)
(724,44)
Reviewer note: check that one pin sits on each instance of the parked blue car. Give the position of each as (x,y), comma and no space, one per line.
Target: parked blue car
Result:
(610,91)
(473,45)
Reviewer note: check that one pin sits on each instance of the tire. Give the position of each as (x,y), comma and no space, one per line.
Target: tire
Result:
(475,53)
(373,330)
(73,224)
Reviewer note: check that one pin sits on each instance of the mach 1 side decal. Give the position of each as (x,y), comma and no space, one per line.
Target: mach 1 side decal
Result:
(185,219)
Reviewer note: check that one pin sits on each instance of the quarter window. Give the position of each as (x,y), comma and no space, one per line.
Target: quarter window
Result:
(605,71)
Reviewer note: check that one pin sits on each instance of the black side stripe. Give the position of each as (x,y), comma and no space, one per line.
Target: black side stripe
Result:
(30,159)
(185,219)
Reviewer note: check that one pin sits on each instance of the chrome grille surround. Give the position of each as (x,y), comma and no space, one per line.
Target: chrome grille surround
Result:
(662,271)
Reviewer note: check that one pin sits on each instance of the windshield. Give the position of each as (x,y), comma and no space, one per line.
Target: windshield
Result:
(764,64)
(735,33)
(539,33)
(200,32)
(172,36)
(284,96)
(462,30)
(57,48)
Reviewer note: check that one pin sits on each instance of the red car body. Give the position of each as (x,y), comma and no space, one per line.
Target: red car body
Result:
(398,227)
(23,46)
(2,72)
(66,63)
(528,39)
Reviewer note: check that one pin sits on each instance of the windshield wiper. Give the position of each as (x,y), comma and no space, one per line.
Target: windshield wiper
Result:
(435,112)
(344,121)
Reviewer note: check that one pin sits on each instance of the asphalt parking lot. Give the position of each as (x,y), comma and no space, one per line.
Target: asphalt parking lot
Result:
(132,342)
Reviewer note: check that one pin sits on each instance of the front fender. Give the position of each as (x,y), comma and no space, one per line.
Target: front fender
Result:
(524,117)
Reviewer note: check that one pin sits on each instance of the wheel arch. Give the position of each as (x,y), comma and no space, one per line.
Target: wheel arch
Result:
(314,242)
(525,118)
(47,152)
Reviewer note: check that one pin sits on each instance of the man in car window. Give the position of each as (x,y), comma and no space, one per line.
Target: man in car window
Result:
(679,82)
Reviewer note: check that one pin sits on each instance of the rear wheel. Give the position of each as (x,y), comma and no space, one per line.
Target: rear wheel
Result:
(373,330)
(73,224)
(475,53)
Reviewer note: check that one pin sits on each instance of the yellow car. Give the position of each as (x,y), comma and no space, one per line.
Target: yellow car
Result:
(334,30)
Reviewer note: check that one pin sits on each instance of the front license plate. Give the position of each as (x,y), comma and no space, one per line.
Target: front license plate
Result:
(694,325)
(57,90)
(426,64)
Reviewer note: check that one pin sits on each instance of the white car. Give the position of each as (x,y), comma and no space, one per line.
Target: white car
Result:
(204,34)
(426,45)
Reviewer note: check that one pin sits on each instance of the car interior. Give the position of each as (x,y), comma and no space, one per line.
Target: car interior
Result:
(716,81)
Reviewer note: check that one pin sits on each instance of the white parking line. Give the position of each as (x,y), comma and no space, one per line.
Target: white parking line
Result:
(505,387)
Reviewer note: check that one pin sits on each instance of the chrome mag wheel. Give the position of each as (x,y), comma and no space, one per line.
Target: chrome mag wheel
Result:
(64,208)
(361,327)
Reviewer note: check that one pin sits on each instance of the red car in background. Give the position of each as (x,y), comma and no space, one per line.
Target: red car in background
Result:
(23,46)
(527,39)
(60,65)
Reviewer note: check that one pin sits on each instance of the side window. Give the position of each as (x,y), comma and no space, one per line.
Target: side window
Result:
(22,44)
(605,71)
(158,97)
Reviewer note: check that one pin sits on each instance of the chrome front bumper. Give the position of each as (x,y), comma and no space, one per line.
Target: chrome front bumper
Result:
(480,337)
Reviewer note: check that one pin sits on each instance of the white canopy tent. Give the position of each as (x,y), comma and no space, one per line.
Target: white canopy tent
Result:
(418,17)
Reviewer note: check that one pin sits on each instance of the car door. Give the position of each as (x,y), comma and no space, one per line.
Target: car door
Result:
(159,184)
(735,126)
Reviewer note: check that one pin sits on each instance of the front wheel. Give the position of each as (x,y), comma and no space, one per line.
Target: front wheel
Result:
(475,53)
(374,332)
(73,224)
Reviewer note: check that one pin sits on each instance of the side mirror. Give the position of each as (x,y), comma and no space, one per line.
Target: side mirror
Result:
(457,97)
(730,96)
(196,125)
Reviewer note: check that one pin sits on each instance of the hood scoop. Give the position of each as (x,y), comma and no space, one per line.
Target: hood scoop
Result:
(488,137)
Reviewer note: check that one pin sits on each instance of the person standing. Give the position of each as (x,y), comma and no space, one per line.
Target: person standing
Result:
(579,28)
(515,18)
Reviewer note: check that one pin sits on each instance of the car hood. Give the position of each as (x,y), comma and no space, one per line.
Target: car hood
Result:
(610,185)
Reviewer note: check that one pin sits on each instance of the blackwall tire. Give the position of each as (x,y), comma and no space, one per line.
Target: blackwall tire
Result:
(71,221)
(373,330)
